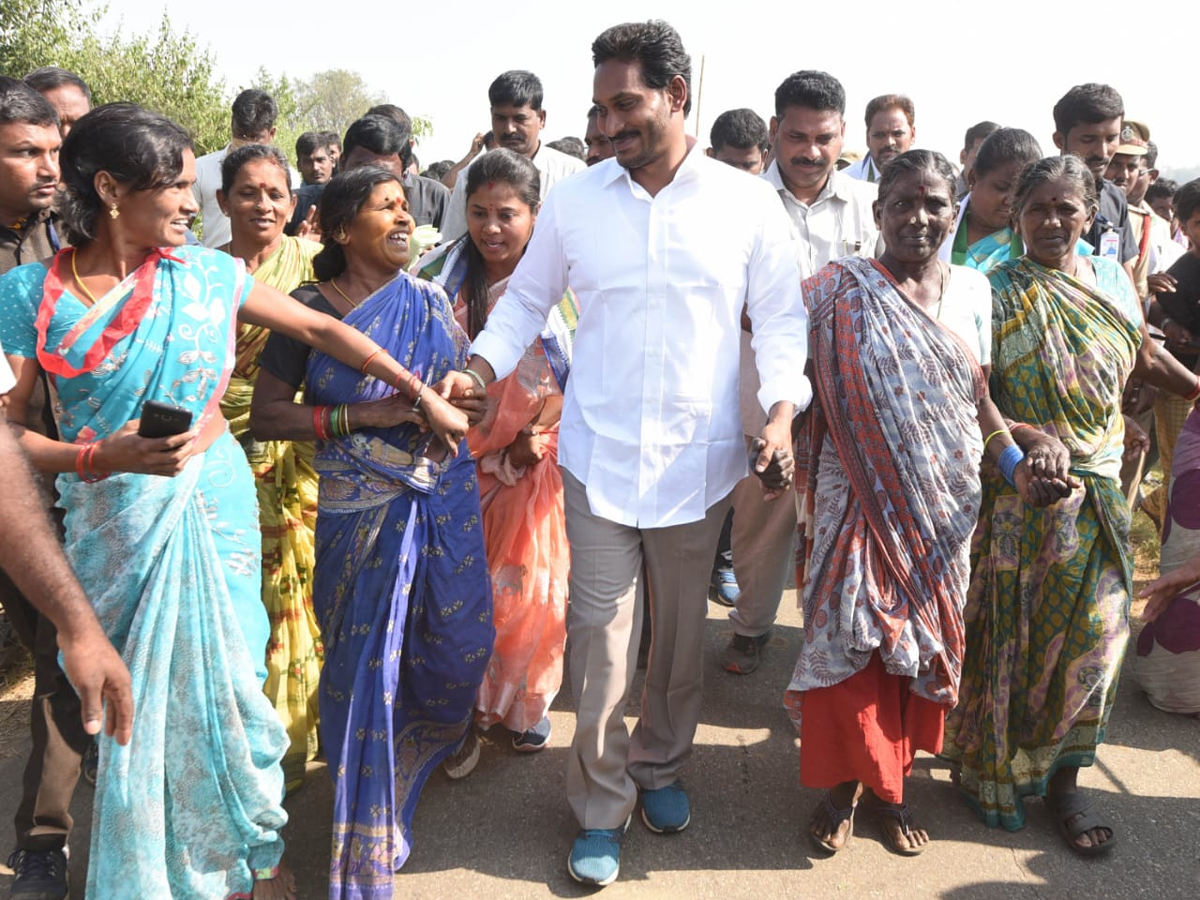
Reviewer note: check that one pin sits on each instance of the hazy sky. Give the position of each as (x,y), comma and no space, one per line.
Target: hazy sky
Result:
(960,62)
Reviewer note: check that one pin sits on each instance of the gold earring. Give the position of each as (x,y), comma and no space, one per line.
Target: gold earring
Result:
(114,212)
(341,235)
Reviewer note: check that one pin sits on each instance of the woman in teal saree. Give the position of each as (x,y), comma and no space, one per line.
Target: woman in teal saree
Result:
(163,532)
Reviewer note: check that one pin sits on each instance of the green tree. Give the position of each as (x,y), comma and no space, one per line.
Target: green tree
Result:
(333,99)
(35,33)
(165,70)
(328,101)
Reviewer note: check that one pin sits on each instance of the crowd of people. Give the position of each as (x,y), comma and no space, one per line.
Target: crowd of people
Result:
(334,462)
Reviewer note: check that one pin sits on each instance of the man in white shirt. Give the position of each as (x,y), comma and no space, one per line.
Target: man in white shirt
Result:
(253,122)
(832,215)
(891,130)
(663,248)
(517,123)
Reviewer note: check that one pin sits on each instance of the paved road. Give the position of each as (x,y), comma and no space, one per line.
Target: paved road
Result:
(505,831)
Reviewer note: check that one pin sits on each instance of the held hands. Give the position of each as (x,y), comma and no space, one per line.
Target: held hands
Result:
(392,410)
(1044,476)
(125,451)
(464,392)
(99,676)
(527,449)
(447,421)
(473,402)
(771,457)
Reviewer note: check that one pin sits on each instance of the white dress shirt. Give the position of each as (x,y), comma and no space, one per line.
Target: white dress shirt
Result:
(863,170)
(650,420)
(215,228)
(840,221)
(552,165)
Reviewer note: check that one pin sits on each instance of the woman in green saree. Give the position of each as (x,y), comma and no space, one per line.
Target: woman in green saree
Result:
(1047,615)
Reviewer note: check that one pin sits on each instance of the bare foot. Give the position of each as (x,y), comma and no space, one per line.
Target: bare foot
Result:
(832,822)
(281,887)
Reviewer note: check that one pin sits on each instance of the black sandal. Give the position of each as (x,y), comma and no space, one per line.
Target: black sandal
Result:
(1077,805)
(836,817)
(902,814)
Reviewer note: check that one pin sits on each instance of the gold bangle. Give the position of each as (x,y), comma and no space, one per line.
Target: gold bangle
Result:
(987,440)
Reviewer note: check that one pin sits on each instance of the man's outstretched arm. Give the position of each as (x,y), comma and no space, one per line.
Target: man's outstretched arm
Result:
(32,557)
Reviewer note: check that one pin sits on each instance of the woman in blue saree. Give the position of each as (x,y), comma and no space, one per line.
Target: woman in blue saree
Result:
(190,809)
(401,591)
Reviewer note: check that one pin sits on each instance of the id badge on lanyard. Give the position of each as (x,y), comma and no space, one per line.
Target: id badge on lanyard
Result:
(1110,244)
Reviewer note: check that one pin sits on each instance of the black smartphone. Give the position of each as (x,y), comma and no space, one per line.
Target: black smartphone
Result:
(163,420)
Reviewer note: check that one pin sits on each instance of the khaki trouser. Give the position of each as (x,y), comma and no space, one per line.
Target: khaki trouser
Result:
(764,543)
(606,764)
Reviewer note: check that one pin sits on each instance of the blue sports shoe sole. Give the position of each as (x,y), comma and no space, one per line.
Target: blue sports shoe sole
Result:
(596,855)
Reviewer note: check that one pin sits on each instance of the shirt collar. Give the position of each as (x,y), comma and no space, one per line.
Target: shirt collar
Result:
(39,217)
(836,186)
(687,169)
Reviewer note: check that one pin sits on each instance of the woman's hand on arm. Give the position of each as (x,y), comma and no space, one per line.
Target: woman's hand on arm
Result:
(1162,591)
(268,307)
(276,416)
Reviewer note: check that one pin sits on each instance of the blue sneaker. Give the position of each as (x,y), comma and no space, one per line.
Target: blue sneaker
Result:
(596,855)
(667,809)
(533,740)
(39,875)
(723,588)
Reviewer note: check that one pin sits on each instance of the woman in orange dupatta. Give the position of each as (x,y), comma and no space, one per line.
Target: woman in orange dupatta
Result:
(516,451)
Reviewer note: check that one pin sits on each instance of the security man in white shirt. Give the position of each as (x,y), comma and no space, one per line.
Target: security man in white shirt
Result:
(832,215)
(663,247)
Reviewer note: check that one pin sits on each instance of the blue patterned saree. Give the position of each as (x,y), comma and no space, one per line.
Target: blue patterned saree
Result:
(401,593)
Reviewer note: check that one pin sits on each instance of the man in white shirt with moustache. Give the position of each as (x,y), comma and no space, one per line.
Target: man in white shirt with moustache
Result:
(663,247)
(832,216)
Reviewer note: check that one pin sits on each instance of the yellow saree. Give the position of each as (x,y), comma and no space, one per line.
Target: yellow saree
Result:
(287,504)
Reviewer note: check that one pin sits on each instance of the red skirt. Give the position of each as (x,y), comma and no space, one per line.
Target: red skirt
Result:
(867,728)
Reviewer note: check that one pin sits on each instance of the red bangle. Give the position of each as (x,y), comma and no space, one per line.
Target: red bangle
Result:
(85,466)
(1195,394)
(367,361)
(80,459)
(318,416)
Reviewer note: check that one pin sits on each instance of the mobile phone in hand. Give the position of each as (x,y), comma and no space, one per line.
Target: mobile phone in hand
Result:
(163,420)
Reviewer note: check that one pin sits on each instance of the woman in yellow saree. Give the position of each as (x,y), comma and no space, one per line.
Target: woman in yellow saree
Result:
(256,194)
